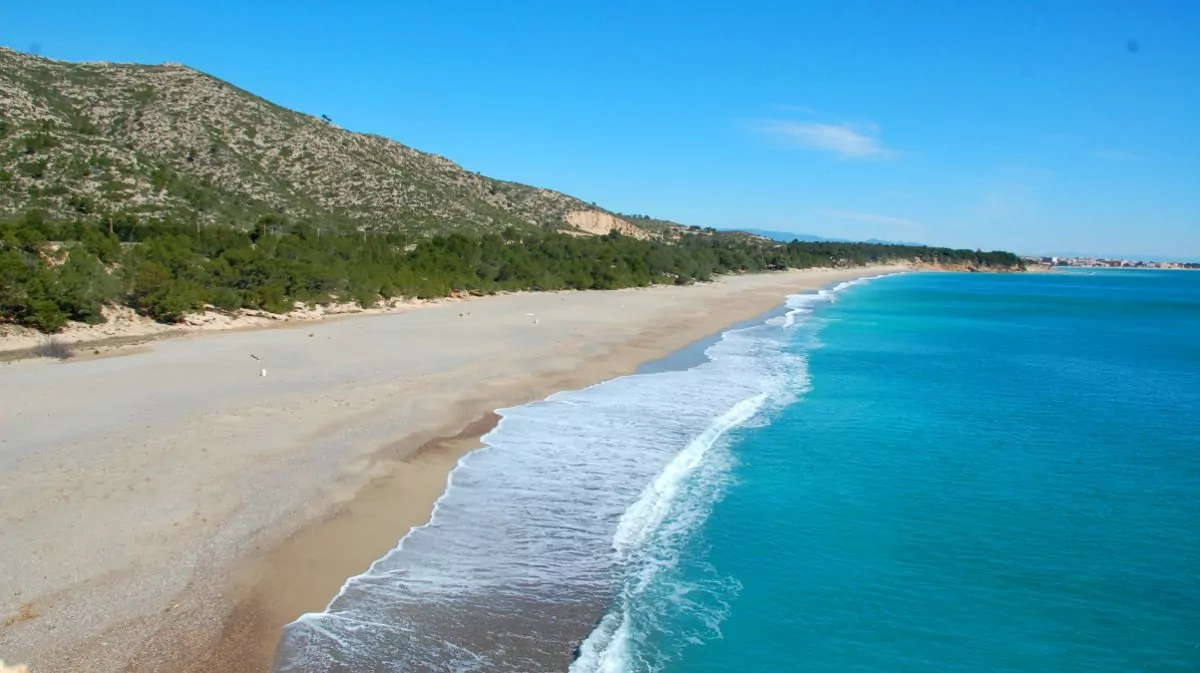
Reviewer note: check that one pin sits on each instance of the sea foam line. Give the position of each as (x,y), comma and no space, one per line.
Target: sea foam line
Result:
(558,483)
(799,305)
(608,648)
(611,646)
(649,511)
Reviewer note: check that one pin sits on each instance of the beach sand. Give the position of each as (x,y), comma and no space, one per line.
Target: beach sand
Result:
(173,509)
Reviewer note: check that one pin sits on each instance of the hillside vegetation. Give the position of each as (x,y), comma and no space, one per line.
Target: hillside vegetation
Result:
(170,141)
(169,191)
(51,272)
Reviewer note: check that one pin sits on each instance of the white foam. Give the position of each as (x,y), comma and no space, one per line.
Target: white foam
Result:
(654,530)
(649,511)
(588,494)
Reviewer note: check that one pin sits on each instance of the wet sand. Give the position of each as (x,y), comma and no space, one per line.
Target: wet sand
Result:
(174,509)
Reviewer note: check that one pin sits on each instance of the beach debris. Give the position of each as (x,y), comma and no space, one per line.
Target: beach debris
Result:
(19,668)
(263,372)
(311,335)
(255,356)
(535,321)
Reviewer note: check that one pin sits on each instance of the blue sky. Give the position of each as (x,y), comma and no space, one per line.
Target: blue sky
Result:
(1033,126)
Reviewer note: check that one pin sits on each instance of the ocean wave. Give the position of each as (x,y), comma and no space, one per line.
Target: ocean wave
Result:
(649,538)
(656,529)
(801,305)
(583,497)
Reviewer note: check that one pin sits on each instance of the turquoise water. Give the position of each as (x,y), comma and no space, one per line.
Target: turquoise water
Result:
(989,473)
(926,473)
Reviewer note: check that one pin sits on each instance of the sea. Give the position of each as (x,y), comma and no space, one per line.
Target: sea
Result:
(927,472)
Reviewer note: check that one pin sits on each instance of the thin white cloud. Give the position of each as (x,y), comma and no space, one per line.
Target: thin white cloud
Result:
(854,141)
(1117,155)
(869,217)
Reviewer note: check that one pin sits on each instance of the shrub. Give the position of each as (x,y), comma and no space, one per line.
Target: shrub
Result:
(225,299)
(38,142)
(172,302)
(83,286)
(102,244)
(83,205)
(33,169)
(43,315)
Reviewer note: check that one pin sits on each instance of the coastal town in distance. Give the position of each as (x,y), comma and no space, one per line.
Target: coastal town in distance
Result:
(1108,263)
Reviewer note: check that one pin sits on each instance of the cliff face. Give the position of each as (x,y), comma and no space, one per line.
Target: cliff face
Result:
(84,138)
(967,268)
(599,223)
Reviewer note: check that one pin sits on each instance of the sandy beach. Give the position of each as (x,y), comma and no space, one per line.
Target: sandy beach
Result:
(172,509)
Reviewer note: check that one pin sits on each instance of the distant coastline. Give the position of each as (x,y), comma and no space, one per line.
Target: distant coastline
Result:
(1189,267)
(1107,263)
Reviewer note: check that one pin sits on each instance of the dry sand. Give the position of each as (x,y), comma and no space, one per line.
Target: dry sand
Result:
(172,510)
(124,329)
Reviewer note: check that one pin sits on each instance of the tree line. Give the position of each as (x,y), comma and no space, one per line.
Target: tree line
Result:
(52,271)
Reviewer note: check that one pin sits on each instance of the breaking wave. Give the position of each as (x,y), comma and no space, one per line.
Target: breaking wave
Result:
(566,527)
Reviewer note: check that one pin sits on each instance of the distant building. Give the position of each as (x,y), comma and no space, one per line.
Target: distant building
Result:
(1107,263)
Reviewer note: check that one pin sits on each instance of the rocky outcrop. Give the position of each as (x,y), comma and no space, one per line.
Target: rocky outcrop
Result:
(967,268)
(599,222)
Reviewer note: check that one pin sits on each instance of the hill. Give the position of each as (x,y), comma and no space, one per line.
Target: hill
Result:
(788,237)
(170,141)
(166,191)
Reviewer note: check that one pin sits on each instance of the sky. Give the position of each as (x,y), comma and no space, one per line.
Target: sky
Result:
(1041,127)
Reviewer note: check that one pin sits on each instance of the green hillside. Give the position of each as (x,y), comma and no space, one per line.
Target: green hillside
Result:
(167,140)
(169,191)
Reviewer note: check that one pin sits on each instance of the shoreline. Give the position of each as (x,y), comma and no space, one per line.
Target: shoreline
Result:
(253,564)
(292,586)
(125,332)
